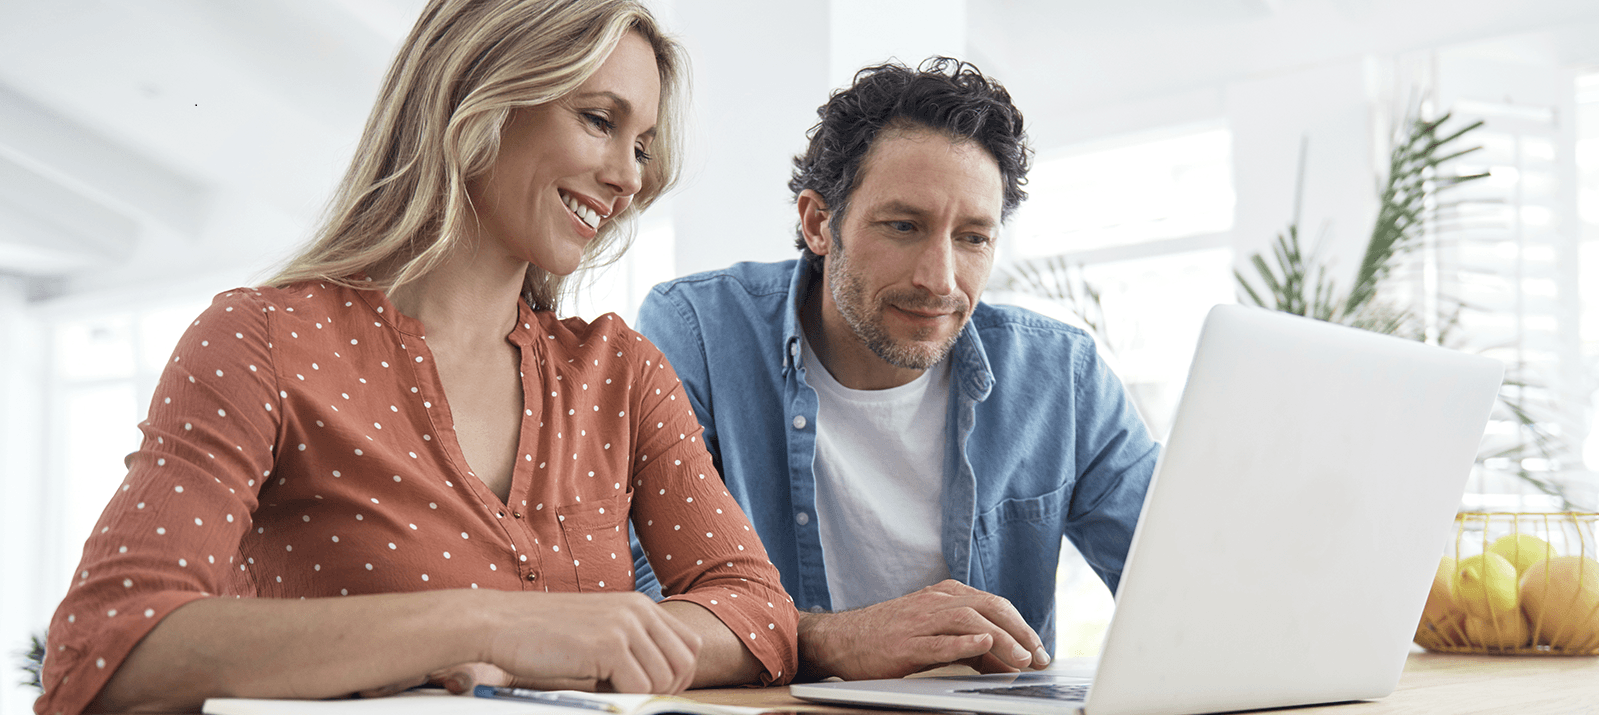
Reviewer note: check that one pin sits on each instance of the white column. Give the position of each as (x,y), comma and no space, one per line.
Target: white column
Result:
(1332,104)
(23,555)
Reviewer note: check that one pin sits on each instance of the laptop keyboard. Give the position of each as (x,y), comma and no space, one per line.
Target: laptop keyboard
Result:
(1049,692)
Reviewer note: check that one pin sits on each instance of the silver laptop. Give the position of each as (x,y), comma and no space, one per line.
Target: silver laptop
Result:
(1288,539)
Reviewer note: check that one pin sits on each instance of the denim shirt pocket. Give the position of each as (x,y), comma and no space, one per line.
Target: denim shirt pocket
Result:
(596,538)
(1018,549)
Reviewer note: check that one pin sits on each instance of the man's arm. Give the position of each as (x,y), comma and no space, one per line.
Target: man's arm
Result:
(949,622)
(1116,459)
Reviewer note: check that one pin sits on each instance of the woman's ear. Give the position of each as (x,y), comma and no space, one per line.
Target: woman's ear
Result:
(814,217)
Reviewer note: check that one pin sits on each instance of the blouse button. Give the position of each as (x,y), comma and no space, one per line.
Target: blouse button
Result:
(517,514)
(532,577)
(502,515)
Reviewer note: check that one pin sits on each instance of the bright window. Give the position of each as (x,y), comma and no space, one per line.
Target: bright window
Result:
(1143,222)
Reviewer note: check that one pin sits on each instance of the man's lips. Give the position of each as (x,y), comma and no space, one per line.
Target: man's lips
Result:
(921,315)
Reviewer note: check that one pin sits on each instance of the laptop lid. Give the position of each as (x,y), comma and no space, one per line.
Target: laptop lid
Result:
(1291,531)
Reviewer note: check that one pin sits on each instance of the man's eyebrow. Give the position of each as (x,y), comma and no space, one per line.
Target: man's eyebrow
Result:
(622,105)
(903,209)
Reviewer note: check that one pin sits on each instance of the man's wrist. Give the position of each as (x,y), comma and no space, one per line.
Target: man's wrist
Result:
(815,647)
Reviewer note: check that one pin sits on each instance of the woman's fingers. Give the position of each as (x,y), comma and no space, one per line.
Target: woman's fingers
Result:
(462,678)
(623,641)
(679,644)
(391,688)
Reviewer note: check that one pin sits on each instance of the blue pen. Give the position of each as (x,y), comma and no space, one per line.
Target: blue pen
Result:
(543,696)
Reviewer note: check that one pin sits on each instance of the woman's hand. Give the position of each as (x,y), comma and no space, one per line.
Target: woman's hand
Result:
(594,641)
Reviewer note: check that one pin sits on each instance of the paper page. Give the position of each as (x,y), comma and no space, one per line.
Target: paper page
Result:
(438,702)
(417,702)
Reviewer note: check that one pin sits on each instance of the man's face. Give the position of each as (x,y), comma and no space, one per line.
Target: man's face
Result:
(917,244)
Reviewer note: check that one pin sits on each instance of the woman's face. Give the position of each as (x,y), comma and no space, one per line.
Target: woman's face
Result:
(567,167)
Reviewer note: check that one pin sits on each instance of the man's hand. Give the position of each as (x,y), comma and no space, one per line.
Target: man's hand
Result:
(949,622)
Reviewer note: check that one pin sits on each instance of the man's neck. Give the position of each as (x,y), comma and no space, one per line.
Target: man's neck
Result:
(842,352)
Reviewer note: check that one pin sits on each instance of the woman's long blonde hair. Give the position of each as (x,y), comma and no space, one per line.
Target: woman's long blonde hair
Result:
(403,206)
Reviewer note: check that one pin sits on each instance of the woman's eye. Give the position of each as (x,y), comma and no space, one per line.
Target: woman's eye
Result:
(642,156)
(599,122)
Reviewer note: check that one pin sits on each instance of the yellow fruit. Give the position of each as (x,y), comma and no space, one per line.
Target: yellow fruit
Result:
(1507,631)
(1442,621)
(1485,585)
(1561,599)
(1522,550)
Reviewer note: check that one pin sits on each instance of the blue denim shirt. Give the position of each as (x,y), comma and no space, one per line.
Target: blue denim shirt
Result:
(1043,441)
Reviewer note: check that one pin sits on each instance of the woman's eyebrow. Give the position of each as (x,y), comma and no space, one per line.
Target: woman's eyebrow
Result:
(620,103)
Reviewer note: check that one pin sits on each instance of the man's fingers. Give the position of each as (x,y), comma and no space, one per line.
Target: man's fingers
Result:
(927,651)
(1016,643)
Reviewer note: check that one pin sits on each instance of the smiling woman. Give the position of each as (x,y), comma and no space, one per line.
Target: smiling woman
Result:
(393,463)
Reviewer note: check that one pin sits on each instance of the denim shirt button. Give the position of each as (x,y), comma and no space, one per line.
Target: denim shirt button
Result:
(799,421)
(802,518)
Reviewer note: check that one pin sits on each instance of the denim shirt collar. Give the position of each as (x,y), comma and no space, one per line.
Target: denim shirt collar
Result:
(799,286)
(973,375)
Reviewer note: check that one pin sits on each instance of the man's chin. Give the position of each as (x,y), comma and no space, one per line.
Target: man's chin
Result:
(914,354)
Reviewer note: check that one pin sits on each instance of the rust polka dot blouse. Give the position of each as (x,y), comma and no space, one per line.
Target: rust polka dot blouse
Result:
(300,445)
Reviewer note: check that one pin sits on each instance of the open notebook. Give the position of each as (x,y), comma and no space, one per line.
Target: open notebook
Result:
(438,702)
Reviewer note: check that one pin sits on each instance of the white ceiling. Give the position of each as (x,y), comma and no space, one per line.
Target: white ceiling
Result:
(126,124)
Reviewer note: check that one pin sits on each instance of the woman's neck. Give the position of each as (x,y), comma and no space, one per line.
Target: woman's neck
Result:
(471,297)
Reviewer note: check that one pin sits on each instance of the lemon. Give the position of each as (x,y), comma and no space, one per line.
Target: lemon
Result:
(1508,630)
(1442,620)
(1485,585)
(1522,550)
(1561,598)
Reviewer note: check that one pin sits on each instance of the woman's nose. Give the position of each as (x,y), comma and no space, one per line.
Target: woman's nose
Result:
(623,172)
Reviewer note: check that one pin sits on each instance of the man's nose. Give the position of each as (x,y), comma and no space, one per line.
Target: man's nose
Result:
(935,267)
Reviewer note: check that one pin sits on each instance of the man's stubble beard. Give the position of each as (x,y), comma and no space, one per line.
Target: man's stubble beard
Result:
(867,323)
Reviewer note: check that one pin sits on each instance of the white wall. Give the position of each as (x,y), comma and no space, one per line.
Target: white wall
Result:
(756,88)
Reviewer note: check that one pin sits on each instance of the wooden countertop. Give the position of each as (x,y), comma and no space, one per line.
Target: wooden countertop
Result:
(1433,683)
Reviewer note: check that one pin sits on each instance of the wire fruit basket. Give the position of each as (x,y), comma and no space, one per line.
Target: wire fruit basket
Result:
(1516,584)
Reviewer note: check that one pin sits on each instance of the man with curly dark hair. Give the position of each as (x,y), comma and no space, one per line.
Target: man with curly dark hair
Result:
(910,456)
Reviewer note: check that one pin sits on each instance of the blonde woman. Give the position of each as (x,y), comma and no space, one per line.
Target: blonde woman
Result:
(394,460)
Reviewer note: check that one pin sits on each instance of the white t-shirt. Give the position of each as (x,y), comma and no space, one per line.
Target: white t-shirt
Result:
(880,484)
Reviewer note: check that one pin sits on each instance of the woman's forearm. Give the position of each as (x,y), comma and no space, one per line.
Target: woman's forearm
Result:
(316,648)
(723,660)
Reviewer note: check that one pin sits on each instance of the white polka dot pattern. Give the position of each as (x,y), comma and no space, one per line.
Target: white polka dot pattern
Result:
(324,465)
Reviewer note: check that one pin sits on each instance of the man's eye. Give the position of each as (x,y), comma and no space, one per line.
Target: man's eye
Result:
(902,226)
(978,239)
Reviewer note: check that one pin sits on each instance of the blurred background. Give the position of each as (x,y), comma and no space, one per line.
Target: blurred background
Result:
(153,154)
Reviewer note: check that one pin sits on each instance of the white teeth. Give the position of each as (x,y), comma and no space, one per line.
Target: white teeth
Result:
(588,215)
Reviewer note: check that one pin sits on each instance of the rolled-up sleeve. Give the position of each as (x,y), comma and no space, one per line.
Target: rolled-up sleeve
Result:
(695,536)
(171,532)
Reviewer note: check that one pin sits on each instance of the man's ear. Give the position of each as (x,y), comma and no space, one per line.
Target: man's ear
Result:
(814,218)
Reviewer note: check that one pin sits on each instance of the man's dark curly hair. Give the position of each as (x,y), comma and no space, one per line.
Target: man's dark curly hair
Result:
(944,94)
